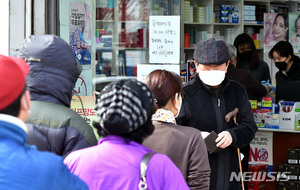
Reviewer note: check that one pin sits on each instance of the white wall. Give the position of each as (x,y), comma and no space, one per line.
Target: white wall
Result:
(4,32)
(17,26)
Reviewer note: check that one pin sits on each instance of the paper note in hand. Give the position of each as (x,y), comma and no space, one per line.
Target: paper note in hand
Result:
(211,144)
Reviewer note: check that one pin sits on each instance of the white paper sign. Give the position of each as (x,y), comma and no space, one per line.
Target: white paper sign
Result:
(261,149)
(164,39)
(143,70)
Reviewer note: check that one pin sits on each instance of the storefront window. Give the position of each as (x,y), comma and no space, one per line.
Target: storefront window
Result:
(122,35)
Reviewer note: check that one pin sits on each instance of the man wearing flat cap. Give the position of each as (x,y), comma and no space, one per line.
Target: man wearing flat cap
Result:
(207,100)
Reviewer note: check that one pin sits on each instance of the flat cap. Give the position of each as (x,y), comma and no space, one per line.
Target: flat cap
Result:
(211,52)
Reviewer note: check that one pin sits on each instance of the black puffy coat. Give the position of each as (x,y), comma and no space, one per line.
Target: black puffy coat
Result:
(61,141)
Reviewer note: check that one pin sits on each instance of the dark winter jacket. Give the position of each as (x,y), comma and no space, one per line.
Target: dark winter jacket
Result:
(60,141)
(203,110)
(52,77)
(253,87)
(261,73)
(293,73)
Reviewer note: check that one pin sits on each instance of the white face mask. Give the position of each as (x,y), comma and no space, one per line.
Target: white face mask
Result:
(212,77)
(179,107)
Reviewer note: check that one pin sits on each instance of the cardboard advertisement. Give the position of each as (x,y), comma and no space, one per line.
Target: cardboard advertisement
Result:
(85,106)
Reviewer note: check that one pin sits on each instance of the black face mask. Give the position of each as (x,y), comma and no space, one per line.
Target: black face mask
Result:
(246,56)
(281,65)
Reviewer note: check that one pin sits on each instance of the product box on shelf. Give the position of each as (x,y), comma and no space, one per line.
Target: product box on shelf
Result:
(235,16)
(250,13)
(287,115)
(249,7)
(249,18)
(292,171)
(255,38)
(257,170)
(265,119)
(292,185)
(263,113)
(224,13)
(293,156)
(281,185)
(191,70)
(104,38)
(224,20)
(297,119)
(105,13)
(183,75)
(281,172)
(257,185)
(227,7)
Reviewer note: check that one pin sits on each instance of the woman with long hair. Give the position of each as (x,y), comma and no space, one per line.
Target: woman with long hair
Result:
(248,58)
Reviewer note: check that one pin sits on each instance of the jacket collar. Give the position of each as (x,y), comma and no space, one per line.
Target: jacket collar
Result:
(12,128)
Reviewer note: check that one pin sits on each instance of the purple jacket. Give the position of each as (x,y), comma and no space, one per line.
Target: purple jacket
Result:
(115,164)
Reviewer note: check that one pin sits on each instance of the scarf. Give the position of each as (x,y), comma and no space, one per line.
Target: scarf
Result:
(164,116)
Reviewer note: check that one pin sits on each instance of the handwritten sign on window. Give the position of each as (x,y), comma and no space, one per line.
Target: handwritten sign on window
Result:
(164,39)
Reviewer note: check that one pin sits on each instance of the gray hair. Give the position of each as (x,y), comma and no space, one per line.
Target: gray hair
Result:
(231,49)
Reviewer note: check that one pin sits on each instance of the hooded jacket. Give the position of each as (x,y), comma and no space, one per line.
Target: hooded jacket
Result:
(53,74)
(204,110)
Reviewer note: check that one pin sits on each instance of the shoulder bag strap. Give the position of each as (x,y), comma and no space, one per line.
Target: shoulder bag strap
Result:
(143,170)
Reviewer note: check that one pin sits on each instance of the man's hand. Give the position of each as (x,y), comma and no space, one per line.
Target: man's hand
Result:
(224,139)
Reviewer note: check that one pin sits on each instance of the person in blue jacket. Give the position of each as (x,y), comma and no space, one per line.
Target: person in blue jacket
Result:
(23,166)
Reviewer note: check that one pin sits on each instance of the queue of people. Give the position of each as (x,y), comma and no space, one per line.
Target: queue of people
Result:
(45,145)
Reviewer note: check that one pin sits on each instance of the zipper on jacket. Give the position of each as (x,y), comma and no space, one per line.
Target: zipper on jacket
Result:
(219,102)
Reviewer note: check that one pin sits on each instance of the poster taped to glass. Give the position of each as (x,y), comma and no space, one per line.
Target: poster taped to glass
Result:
(282,27)
(276,28)
(80,31)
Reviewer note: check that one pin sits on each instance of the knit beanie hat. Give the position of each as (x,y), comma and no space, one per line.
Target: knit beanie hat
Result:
(124,106)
